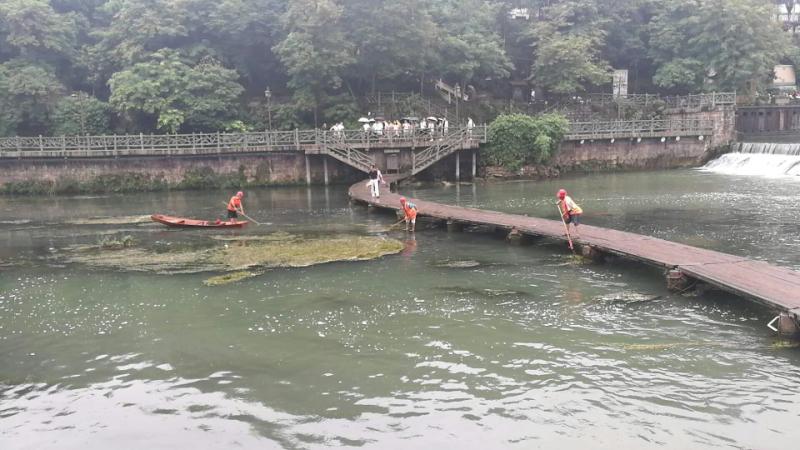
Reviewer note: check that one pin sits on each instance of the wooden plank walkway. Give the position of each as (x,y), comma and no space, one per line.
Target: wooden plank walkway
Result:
(775,287)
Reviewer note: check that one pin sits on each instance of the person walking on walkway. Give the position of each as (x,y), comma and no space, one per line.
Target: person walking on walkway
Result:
(374,182)
(409,213)
(235,206)
(570,211)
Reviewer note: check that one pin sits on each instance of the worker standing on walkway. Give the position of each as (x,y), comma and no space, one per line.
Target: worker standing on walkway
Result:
(570,211)
(409,213)
(235,206)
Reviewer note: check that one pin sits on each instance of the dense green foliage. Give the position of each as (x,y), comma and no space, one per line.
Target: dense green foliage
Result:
(518,139)
(202,65)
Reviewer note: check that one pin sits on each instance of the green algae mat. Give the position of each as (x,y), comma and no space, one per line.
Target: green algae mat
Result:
(233,254)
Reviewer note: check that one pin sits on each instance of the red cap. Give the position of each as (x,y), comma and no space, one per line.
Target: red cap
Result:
(402,199)
(240,194)
(561,193)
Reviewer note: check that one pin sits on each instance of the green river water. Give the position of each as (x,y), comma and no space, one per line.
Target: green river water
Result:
(460,341)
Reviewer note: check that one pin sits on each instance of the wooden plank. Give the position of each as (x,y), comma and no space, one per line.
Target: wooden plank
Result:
(773,286)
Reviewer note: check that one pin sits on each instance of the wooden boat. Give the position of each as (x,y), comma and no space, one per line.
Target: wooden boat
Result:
(181,222)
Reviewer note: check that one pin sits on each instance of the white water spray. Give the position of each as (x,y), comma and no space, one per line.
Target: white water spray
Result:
(761,159)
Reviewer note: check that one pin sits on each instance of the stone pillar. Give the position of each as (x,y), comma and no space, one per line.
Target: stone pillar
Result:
(458,166)
(677,280)
(325,168)
(453,226)
(516,237)
(591,252)
(787,325)
(474,164)
(308,171)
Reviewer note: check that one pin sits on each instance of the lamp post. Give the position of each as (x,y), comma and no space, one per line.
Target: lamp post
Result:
(80,98)
(268,96)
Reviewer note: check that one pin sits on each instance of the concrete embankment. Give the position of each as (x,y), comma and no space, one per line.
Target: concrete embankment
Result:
(130,174)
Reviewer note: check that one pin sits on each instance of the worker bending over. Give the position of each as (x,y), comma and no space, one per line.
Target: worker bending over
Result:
(235,206)
(409,213)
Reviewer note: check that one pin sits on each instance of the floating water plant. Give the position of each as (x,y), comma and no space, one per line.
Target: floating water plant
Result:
(118,220)
(305,253)
(229,278)
(285,250)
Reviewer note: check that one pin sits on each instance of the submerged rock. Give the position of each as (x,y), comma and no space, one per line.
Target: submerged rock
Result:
(464,264)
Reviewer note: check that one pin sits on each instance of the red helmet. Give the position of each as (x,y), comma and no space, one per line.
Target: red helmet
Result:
(402,199)
(561,193)
(240,194)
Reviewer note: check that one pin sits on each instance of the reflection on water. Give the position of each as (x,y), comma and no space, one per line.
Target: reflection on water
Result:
(459,340)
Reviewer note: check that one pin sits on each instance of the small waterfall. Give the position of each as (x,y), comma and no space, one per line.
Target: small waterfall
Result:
(762,159)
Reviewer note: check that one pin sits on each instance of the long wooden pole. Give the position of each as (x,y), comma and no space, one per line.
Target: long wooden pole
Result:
(246,216)
(566,228)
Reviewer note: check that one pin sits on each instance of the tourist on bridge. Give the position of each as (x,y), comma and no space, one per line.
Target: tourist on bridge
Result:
(235,206)
(409,213)
(570,211)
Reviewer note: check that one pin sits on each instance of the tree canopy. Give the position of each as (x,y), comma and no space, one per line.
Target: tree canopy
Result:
(202,65)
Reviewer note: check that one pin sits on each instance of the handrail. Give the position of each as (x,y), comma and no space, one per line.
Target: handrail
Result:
(200,143)
(640,128)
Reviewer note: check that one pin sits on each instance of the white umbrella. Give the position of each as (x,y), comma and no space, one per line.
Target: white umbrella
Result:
(433,118)
(363,120)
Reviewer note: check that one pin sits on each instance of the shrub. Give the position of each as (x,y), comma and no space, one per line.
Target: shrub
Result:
(518,139)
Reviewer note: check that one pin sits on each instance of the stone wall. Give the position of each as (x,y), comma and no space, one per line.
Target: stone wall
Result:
(688,151)
(252,169)
(629,154)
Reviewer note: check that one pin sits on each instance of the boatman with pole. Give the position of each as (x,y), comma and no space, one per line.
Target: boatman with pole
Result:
(570,211)
(235,206)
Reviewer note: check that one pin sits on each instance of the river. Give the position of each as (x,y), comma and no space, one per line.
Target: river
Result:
(459,341)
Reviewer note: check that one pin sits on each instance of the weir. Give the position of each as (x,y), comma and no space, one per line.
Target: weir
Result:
(758,158)
(777,288)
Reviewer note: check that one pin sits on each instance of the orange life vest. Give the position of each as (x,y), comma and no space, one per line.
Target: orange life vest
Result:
(235,203)
(410,210)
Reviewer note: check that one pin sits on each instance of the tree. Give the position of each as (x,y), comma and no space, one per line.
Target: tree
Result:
(315,51)
(178,95)
(568,64)
(35,30)
(470,49)
(567,47)
(391,40)
(715,44)
(136,28)
(28,95)
(518,139)
(81,113)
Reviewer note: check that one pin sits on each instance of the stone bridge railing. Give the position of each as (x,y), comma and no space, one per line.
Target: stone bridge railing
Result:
(308,141)
(639,129)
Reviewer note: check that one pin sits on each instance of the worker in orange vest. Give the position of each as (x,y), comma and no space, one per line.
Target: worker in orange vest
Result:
(570,211)
(235,206)
(409,213)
